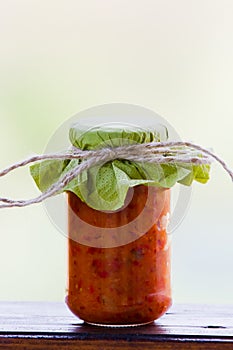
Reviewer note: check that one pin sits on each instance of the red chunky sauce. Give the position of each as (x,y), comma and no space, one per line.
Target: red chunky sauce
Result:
(126,284)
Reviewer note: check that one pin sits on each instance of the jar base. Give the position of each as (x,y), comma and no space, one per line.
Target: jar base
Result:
(118,325)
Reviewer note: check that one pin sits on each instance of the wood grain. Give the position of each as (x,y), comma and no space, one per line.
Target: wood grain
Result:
(43,325)
(37,344)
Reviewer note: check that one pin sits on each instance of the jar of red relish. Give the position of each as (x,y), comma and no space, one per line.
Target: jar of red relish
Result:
(118,215)
(119,260)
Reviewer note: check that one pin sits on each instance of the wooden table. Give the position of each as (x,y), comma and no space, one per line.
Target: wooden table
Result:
(44,325)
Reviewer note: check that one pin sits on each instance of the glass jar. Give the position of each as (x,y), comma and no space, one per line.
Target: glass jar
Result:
(118,214)
(124,283)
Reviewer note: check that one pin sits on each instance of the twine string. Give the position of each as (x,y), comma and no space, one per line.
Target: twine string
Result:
(154,152)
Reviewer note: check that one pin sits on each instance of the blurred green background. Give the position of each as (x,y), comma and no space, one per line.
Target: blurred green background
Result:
(60,57)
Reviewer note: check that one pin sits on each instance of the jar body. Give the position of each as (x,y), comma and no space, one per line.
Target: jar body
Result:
(125,284)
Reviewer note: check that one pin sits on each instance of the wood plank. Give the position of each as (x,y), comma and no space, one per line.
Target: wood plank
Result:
(56,318)
(69,344)
(42,325)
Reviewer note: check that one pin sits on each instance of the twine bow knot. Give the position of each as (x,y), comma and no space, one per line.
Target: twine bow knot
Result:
(154,152)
